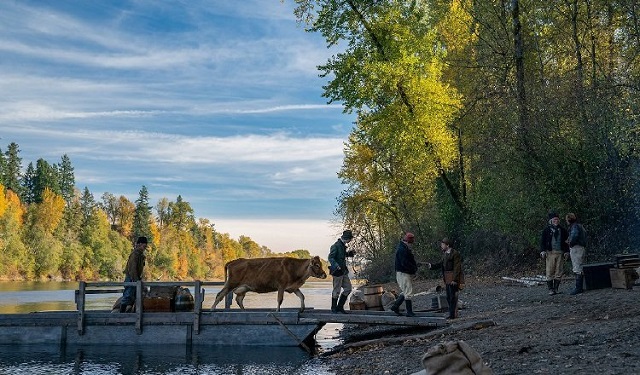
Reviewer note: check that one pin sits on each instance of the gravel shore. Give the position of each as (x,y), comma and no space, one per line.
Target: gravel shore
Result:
(524,331)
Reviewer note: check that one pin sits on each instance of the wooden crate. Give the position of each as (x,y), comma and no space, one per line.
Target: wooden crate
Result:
(597,275)
(621,278)
(357,305)
(156,304)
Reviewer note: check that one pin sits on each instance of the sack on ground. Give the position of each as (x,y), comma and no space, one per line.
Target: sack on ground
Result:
(453,357)
(357,296)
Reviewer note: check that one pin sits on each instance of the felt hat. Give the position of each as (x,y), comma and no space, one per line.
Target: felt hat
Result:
(347,235)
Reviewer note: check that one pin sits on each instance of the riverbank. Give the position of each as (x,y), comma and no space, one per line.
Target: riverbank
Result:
(522,330)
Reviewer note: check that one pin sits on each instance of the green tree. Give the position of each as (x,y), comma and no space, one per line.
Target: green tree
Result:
(46,177)
(28,186)
(11,173)
(109,205)
(180,214)
(66,179)
(142,216)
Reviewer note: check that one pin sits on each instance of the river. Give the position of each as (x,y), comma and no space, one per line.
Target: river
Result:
(21,297)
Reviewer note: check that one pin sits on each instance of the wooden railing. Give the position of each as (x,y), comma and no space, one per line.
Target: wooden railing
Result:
(85,288)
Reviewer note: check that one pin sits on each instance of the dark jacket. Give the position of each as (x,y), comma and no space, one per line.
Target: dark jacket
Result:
(451,262)
(338,254)
(405,261)
(577,235)
(547,236)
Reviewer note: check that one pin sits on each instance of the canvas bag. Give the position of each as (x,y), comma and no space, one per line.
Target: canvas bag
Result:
(453,357)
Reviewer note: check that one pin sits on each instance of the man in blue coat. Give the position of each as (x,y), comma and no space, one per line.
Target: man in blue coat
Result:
(406,268)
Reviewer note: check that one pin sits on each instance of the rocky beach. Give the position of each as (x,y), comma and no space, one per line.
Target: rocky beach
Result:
(516,329)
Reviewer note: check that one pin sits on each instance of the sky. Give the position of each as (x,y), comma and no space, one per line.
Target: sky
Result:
(217,101)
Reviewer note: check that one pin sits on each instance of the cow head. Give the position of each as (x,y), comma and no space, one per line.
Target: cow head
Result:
(315,266)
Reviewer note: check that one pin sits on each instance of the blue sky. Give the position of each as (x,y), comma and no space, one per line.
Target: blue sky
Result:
(218,101)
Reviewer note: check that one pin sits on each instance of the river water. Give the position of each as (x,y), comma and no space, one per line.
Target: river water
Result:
(21,297)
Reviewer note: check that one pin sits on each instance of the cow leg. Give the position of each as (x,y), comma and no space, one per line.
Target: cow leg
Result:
(221,294)
(301,296)
(240,292)
(280,297)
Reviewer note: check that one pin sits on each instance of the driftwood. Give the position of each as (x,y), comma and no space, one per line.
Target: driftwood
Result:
(392,340)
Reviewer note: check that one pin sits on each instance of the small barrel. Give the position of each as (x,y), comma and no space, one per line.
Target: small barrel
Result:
(184,300)
(373,297)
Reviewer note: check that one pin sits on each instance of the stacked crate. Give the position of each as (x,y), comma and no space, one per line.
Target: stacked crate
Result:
(624,273)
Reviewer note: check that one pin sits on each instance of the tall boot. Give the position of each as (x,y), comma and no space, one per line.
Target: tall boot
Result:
(334,305)
(396,305)
(341,302)
(578,289)
(556,285)
(409,305)
(550,286)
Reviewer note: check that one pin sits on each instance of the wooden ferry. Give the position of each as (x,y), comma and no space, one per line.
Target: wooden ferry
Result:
(197,327)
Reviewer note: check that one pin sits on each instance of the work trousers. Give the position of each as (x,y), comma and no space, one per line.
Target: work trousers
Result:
(341,283)
(554,265)
(405,283)
(577,258)
(452,300)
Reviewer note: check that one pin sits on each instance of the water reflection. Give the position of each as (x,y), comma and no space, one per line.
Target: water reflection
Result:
(147,360)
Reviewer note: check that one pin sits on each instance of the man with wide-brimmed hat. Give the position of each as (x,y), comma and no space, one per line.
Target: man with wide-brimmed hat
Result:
(553,248)
(338,269)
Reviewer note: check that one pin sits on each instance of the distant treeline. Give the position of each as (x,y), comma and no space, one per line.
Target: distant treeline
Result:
(50,229)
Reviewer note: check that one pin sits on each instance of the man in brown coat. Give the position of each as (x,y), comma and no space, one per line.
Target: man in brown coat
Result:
(133,273)
(451,265)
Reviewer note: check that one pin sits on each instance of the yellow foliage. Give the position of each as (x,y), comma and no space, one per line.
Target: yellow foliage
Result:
(49,212)
(3,201)
(457,27)
(14,207)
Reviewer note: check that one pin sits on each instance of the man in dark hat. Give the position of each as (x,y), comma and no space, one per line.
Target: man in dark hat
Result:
(406,268)
(133,273)
(452,274)
(553,247)
(338,269)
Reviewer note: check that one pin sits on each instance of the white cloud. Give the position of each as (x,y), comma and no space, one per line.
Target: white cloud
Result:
(282,236)
(218,101)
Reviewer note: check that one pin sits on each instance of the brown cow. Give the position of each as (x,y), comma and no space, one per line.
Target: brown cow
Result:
(264,275)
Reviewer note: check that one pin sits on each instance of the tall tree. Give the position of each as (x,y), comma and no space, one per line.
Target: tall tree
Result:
(66,179)
(125,216)
(13,166)
(46,177)
(181,214)
(142,216)
(109,205)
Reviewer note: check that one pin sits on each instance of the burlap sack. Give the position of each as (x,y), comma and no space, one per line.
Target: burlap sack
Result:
(357,296)
(453,357)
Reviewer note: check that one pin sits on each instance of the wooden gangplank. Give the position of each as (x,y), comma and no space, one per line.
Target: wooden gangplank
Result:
(421,319)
